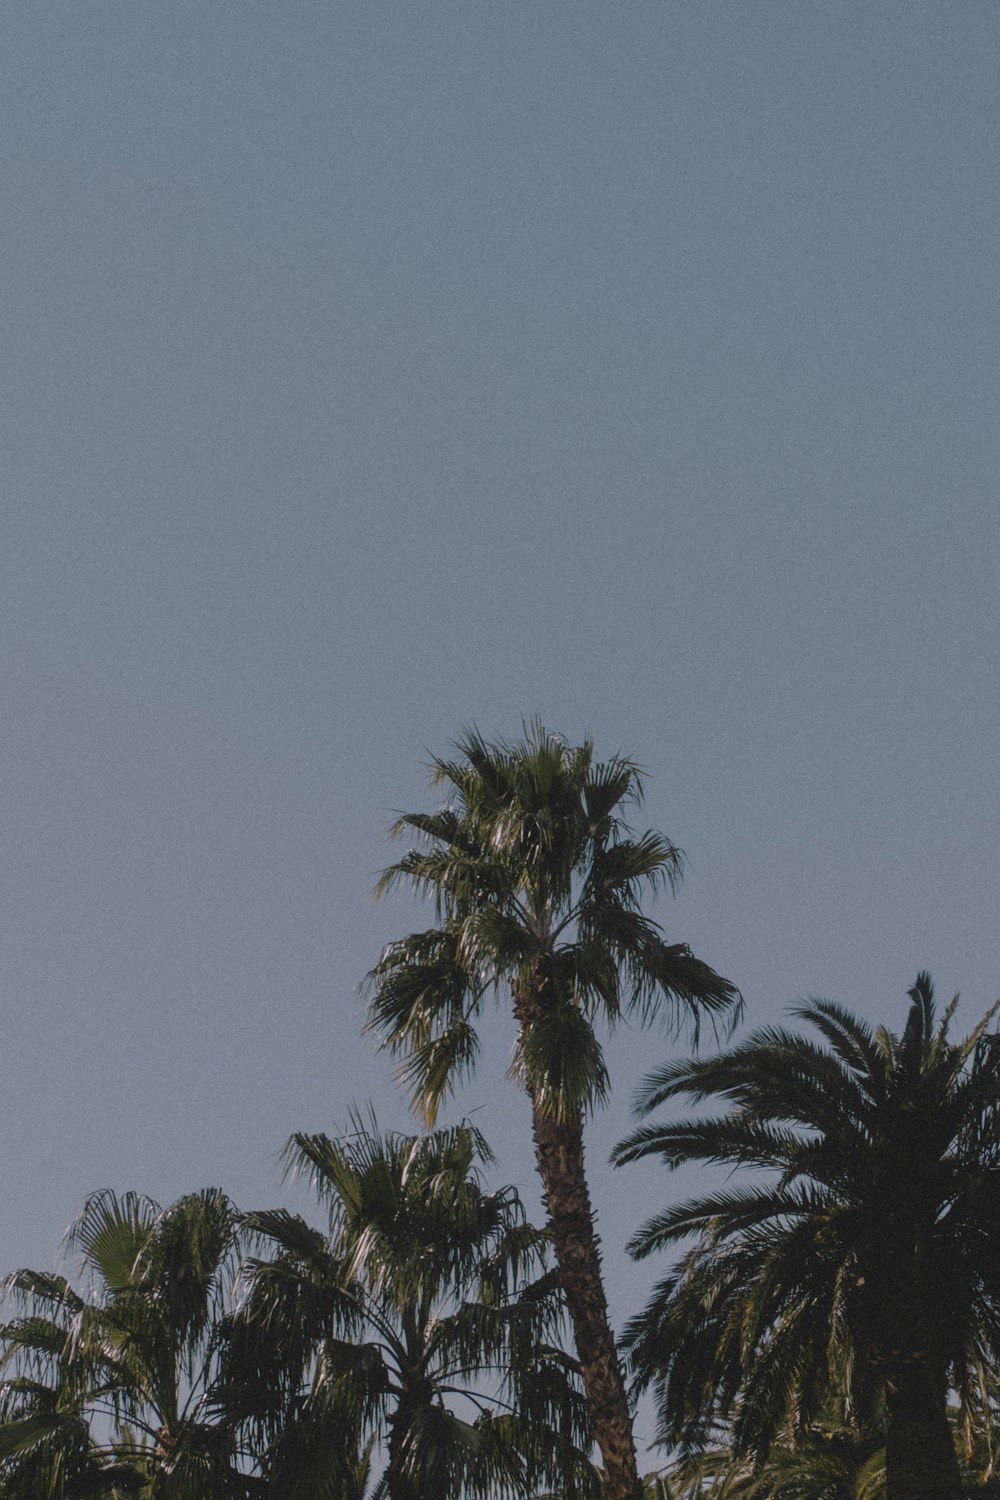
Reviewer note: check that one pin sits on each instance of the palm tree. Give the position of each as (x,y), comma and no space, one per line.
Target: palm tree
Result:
(411,1325)
(132,1357)
(46,1444)
(538,882)
(864,1251)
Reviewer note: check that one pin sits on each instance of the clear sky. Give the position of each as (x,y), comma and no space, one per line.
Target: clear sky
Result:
(370,369)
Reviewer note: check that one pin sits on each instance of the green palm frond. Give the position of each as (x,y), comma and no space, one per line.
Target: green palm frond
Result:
(747,1143)
(110,1233)
(560,1062)
(831,1459)
(625,866)
(849,1037)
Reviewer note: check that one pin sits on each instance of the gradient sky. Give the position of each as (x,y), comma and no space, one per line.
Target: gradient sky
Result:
(371,369)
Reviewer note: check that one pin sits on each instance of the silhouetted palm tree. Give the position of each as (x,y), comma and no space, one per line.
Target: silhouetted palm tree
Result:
(538,884)
(869,1262)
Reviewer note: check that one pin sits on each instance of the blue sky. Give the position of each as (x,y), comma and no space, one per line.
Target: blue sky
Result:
(374,369)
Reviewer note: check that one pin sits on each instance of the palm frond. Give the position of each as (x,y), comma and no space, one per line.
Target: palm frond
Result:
(560,1062)
(110,1233)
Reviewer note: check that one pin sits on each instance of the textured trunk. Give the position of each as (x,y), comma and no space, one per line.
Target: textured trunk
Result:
(559,1155)
(921,1461)
(398,1484)
(920,1458)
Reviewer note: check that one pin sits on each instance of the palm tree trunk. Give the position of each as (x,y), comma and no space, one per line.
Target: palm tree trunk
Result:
(398,1484)
(920,1458)
(559,1157)
(559,1154)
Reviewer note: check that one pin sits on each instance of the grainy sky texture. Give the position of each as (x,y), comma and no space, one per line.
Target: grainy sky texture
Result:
(370,369)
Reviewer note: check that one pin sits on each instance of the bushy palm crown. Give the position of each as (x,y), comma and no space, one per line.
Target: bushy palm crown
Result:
(130,1358)
(48,1396)
(865,1241)
(422,1322)
(537,880)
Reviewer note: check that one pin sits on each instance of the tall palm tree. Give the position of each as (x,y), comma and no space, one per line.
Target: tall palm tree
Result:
(538,882)
(864,1250)
(130,1358)
(422,1322)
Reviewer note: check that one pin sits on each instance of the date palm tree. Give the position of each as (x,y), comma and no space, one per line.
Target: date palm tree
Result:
(421,1325)
(538,884)
(863,1252)
(130,1357)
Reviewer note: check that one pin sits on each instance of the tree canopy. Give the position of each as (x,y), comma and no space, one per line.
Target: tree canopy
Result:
(829,1328)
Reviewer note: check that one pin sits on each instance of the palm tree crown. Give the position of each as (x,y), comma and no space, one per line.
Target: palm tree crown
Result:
(422,1322)
(133,1353)
(538,883)
(867,1252)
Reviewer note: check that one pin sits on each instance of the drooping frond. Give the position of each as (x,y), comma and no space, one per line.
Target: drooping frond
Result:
(559,1061)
